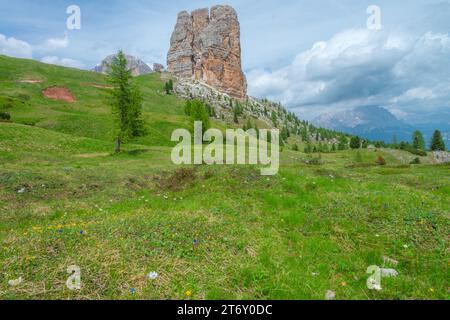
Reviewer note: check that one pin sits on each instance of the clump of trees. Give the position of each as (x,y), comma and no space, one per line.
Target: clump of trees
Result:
(355,142)
(198,111)
(418,146)
(126,101)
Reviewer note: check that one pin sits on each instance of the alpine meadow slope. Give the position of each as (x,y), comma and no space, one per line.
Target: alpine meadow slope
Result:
(209,232)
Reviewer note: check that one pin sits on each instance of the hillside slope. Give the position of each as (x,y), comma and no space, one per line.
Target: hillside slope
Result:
(210,232)
(22,82)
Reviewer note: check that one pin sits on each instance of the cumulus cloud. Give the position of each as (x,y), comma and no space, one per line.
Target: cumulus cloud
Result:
(362,67)
(65,62)
(15,48)
(57,43)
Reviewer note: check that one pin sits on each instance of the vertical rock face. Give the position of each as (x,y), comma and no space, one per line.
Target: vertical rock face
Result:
(205,46)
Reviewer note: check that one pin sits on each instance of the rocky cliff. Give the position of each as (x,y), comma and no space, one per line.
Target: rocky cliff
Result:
(205,46)
(137,66)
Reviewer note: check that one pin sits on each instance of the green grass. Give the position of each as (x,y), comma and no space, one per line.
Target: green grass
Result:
(310,229)
(90,116)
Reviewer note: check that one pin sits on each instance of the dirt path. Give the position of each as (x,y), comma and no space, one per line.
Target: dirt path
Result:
(30,81)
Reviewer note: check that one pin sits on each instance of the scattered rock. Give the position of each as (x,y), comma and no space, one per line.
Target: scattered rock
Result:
(330,295)
(387,273)
(158,67)
(441,156)
(15,283)
(21,190)
(152,275)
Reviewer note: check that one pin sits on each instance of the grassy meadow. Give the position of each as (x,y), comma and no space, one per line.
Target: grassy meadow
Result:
(210,232)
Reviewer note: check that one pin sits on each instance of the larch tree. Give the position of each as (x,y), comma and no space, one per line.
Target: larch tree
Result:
(126,101)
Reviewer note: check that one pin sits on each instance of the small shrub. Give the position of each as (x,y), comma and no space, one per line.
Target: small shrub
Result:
(5,116)
(414,151)
(315,162)
(23,97)
(415,161)
(177,180)
(380,161)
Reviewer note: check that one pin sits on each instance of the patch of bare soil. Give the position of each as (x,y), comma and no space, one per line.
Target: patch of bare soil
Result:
(176,180)
(30,81)
(101,86)
(59,93)
(92,155)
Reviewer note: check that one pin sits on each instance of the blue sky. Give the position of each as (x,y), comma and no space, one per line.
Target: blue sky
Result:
(314,56)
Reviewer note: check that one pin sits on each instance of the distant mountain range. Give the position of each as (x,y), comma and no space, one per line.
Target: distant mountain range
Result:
(137,66)
(376,123)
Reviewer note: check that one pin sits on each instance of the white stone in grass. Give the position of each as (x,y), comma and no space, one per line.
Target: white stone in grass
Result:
(152,275)
(15,283)
(21,190)
(387,273)
(330,295)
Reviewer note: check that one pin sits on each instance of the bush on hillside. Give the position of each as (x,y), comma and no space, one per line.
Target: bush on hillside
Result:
(380,161)
(5,116)
(355,142)
(414,151)
(415,161)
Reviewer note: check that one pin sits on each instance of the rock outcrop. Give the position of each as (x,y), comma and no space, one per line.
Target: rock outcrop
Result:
(205,46)
(137,66)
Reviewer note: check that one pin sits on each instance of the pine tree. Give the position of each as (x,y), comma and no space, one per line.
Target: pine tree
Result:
(418,140)
(199,112)
(355,142)
(248,125)
(394,142)
(188,107)
(168,87)
(274,118)
(437,143)
(343,143)
(126,101)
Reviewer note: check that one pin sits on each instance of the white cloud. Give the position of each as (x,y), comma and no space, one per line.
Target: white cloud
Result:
(414,94)
(15,48)
(66,62)
(57,43)
(362,67)
(22,49)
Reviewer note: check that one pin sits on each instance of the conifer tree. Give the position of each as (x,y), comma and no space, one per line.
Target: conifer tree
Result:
(418,140)
(126,101)
(437,143)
